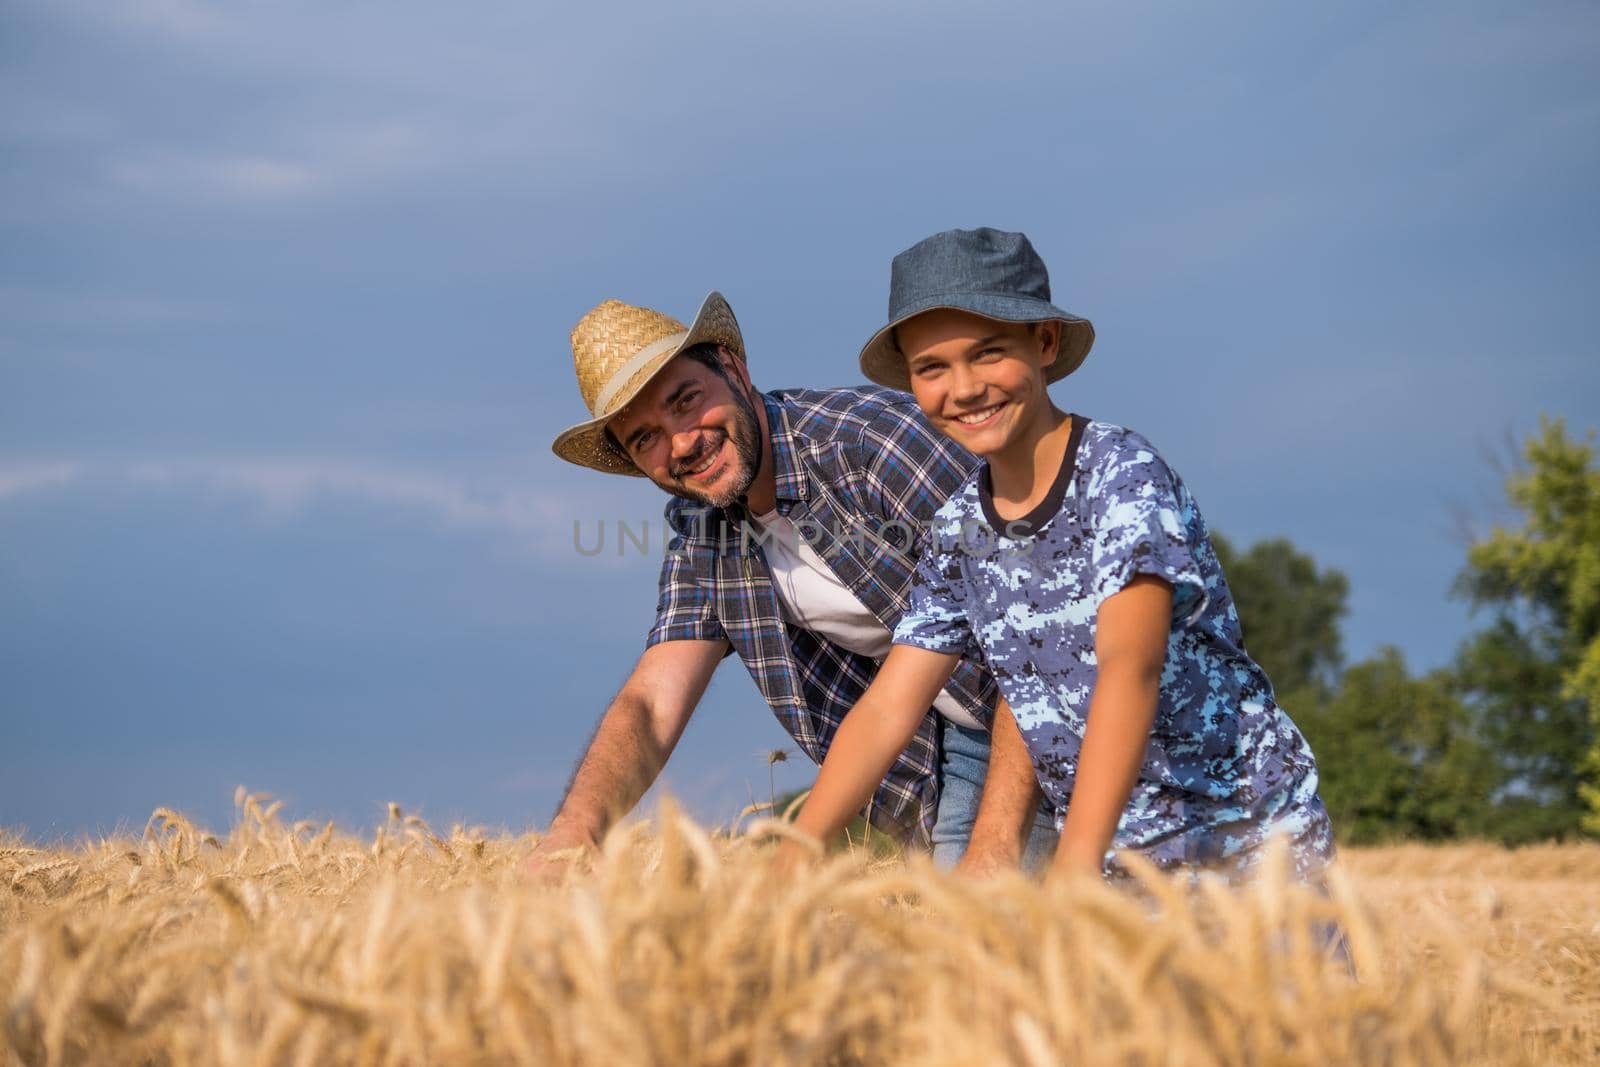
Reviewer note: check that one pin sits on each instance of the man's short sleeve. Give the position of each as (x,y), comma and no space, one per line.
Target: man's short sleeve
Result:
(1144,522)
(936,619)
(912,469)
(684,611)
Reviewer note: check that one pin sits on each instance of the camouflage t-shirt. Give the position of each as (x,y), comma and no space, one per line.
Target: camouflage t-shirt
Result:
(1225,767)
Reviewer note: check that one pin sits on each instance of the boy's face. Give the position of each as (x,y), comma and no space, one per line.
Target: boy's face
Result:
(979,381)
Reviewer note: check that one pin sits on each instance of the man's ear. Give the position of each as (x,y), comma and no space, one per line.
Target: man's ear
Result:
(734,366)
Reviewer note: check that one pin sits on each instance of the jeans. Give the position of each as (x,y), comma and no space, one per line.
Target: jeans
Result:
(963,765)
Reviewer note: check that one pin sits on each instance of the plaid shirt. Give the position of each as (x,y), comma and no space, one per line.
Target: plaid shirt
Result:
(863,470)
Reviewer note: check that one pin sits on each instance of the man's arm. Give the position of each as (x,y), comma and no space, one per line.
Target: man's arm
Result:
(1009,802)
(629,747)
(1130,647)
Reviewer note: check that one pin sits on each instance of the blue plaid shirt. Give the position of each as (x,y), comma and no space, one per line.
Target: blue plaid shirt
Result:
(863,472)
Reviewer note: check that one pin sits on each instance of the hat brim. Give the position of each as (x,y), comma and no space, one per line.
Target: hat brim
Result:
(586,443)
(884,364)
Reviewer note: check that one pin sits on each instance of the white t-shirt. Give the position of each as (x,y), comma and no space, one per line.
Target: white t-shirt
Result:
(813,597)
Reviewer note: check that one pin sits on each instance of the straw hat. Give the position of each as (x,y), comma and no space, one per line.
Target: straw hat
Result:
(617,349)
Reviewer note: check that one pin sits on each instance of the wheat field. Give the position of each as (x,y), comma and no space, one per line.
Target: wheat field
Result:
(289,943)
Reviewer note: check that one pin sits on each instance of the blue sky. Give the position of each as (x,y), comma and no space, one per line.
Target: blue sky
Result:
(285,292)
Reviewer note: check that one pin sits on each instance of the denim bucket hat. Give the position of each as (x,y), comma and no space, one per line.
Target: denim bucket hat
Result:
(986,272)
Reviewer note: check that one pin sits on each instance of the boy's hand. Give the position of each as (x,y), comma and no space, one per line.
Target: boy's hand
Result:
(874,732)
(1073,863)
(1131,631)
(791,857)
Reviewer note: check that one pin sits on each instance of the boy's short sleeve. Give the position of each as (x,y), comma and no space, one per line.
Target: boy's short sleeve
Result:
(936,617)
(1144,522)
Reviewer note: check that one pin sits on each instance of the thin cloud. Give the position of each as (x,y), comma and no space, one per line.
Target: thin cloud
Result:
(20,304)
(29,478)
(314,160)
(286,489)
(223,177)
(178,18)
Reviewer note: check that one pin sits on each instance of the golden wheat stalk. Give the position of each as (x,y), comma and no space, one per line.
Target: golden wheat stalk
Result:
(292,945)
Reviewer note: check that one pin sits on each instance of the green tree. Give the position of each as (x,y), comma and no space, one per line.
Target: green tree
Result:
(1397,755)
(1290,613)
(1535,672)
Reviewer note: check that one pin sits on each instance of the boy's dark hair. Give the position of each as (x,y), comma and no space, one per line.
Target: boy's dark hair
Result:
(894,333)
(706,354)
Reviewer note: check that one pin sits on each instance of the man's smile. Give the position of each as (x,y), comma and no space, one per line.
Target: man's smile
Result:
(704,468)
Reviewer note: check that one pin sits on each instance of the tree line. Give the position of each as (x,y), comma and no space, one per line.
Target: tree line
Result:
(1502,743)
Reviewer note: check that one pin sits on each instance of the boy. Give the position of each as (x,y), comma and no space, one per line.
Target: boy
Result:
(1077,563)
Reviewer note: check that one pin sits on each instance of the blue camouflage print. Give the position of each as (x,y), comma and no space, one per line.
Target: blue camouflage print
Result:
(1226,768)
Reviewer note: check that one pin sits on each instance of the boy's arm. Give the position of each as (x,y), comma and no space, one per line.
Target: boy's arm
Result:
(875,731)
(1009,803)
(1130,646)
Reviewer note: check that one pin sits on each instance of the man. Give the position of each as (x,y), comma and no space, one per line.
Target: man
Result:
(796,516)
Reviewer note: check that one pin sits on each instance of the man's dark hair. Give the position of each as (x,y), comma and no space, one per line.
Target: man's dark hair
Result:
(707,354)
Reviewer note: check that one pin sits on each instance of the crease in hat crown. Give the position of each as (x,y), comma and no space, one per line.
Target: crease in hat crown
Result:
(615,341)
(617,348)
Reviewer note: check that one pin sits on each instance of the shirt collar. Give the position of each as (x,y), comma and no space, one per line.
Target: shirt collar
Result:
(789,479)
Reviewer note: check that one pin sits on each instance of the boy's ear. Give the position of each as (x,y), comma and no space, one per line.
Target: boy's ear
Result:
(1049,334)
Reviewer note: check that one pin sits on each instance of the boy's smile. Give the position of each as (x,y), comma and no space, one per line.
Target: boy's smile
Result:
(979,418)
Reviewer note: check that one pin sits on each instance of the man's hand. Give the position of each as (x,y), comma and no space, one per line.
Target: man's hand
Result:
(1009,803)
(629,747)
(557,853)
(986,861)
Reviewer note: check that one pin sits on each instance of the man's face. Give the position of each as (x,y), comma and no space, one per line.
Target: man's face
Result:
(693,431)
(979,381)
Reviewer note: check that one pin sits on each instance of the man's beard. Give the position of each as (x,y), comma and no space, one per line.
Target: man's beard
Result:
(747,453)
